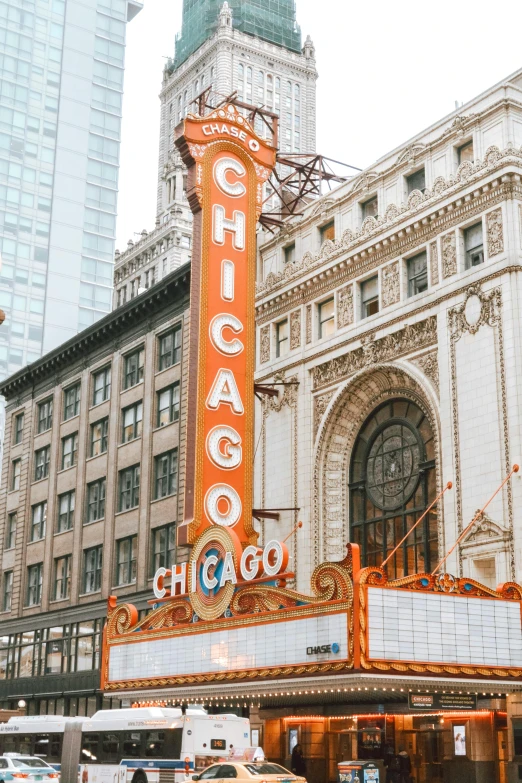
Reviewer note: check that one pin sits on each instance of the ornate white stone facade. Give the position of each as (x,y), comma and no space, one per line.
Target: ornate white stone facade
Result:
(453,348)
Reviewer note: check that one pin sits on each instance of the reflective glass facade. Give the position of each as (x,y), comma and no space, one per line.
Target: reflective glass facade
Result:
(61,82)
(270,20)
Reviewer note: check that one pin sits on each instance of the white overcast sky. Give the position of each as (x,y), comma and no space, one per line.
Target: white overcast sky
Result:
(386,71)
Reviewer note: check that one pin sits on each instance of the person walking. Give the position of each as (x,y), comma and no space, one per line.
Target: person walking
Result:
(405,765)
(298,763)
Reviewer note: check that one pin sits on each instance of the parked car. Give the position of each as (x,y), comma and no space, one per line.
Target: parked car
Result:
(14,766)
(247,772)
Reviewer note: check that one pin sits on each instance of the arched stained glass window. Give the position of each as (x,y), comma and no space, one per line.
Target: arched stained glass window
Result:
(392,482)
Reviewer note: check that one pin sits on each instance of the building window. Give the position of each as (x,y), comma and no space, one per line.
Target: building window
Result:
(15,473)
(392,482)
(34,584)
(71,402)
(92,569)
(170,348)
(38,521)
(95,501)
(370,208)
(133,368)
(129,488)
(166,474)
(45,416)
(326,318)
(62,578)
(163,547)
(282,341)
(69,451)
(99,437)
(65,519)
(126,549)
(465,152)
(417,274)
(10,533)
(131,422)
(101,386)
(18,428)
(327,231)
(289,252)
(42,458)
(168,405)
(473,245)
(370,297)
(416,181)
(7,597)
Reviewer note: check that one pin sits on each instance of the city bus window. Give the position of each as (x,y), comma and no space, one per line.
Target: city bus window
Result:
(25,744)
(55,753)
(110,746)
(41,745)
(90,747)
(132,744)
(9,744)
(154,743)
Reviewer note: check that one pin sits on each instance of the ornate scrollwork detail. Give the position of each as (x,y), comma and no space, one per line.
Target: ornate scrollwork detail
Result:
(166,616)
(331,582)
(254,599)
(120,619)
(510,590)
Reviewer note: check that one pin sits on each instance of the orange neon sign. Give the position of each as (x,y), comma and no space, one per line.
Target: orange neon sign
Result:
(228,164)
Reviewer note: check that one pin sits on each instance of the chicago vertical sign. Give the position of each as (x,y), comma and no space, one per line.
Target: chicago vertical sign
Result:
(228,165)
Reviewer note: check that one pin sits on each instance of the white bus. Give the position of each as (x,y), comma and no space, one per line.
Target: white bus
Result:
(138,745)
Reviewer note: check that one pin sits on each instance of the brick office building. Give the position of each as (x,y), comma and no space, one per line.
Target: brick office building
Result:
(90,499)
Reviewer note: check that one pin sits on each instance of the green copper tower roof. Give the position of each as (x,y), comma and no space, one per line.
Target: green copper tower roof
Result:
(272,20)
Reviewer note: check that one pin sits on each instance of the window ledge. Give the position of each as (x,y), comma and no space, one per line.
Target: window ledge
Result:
(164,426)
(159,372)
(127,584)
(85,595)
(126,511)
(97,404)
(63,532)
(64,470)
(126,443)
(59,600)
(37,481)
(70,418)
(93,522)
(165,497)
(128,388)
(96,456)
(32,606)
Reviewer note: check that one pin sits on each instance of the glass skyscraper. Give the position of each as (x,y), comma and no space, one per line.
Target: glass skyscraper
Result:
(61,83)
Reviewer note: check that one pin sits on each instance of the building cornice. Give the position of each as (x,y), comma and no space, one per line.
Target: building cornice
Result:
(171,288)
(408,156)
(399,230)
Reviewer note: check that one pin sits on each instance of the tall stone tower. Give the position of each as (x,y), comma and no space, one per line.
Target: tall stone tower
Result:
(250,46)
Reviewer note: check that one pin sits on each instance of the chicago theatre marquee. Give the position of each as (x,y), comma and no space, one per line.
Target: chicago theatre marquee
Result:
(358,658)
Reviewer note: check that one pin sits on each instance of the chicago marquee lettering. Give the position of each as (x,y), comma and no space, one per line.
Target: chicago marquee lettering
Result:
(228,165)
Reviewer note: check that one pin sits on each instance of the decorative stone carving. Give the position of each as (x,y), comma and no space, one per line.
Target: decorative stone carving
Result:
(308,324)
(434,263)
(442,187)
(495,232)
(478,309)
(295,329)
(345,306)
(520,222)
(429,364)
(449,254)
(287,393)
(264,354)
(411,337)
(320,405)
(485,530)
(391,284)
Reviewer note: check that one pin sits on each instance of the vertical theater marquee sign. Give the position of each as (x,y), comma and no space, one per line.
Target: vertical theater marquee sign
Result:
(227,614)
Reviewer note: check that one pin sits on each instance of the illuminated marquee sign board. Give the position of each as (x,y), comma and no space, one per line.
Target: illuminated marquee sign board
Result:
(425,702)
(228,165)
(228,625)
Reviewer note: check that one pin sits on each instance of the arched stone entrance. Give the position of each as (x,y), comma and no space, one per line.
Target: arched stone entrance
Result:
(351,404)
